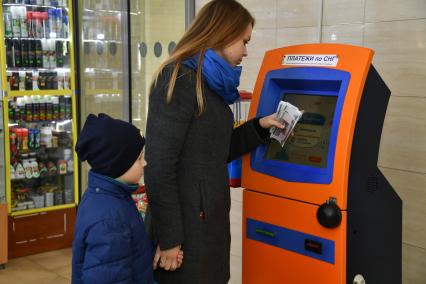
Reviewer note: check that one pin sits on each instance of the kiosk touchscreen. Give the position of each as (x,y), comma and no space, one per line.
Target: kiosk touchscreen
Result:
(318,210)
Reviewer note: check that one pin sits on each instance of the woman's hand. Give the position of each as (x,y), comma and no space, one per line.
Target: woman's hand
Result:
(269,121)
(170,259)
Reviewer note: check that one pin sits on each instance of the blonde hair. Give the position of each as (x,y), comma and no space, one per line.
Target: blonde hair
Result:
(217,25)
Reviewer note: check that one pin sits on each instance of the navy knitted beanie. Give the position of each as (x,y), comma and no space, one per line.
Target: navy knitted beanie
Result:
(110,146)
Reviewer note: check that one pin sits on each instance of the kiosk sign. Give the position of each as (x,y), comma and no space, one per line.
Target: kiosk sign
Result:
(311,59)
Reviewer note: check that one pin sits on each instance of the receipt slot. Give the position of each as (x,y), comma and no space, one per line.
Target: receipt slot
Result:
(319,210)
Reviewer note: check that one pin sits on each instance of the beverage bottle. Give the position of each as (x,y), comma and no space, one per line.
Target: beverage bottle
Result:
(16,24)
(17,52)
(7,17)
(9,52)
(68,107)
(60,80)
(51,22)
(27,166)
(49,108)
(36,108)
(41,80)
(52,53)
(30,23)
(61,107)
(62,167)
(24,134)
(19,171)
(36,138)
(28,109)
(55,101)
(28,80)
(14,81)
(31,53)
(69,160)
(65,26)
(54,78)
(12,108)
(38,20)
(18,139)
(12,172)
(44,16)
(21,80)
(38,54)
(34,166)
(13,140)
(67,80)
(20,114)
(59,53)
(35,80)
(42,103)
(31,138)
(48,80)
(66,52)
(24,52)
(23,21)
(58,22)
(45,52)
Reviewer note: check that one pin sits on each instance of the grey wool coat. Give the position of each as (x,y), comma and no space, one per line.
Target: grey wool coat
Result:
(187,177)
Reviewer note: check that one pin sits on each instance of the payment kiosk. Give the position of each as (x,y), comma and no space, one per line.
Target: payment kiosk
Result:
(319,210)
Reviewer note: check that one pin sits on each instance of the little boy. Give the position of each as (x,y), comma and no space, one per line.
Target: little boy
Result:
(110,244)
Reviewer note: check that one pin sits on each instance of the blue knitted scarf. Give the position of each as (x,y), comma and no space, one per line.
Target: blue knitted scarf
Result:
(219,75)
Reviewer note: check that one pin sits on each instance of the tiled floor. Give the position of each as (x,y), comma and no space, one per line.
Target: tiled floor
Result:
(55,267)
(50,267)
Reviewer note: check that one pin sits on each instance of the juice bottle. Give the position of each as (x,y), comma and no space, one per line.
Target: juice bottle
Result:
(36,108)
(55,101)
(24,139)
(28,109)
(49,108)
(42,103)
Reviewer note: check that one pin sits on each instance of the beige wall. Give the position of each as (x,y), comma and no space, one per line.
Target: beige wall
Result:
(152,21)
(396,30)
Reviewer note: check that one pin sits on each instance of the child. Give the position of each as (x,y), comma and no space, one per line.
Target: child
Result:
(110,244)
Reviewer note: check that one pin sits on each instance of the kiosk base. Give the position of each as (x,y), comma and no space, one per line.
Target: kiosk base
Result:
(284,243)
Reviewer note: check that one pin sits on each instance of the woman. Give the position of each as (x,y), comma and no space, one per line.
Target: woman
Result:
(190,140)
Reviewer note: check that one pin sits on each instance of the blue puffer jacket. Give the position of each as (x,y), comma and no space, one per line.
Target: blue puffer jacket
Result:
(110,244)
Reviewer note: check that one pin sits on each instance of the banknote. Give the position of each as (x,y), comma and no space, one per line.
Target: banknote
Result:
(288,115)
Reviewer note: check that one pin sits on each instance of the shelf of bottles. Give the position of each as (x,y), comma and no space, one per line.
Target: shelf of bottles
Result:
(37,44)
(41,154)
(38,101)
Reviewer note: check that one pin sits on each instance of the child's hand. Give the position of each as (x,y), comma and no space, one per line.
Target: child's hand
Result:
(168,259)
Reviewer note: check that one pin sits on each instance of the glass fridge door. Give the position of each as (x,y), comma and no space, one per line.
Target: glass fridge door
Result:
(39,106)
(103,61)
(40,147)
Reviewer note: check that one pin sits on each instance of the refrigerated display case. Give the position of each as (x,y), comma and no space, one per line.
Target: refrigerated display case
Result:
(40,124)
(122,43)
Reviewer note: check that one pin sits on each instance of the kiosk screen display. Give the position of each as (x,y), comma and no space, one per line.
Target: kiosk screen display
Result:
(310,143)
